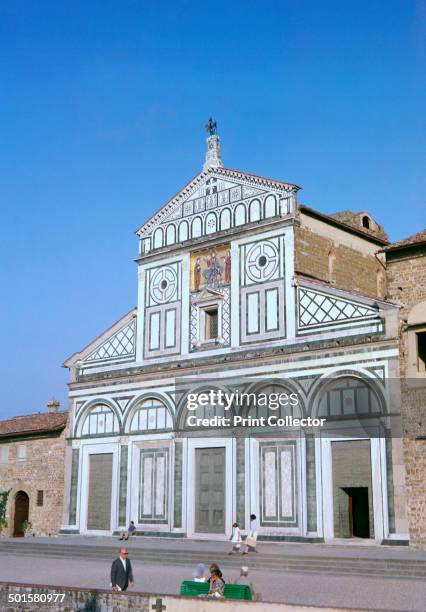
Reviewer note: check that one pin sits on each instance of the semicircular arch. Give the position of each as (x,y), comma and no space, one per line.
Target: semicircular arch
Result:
(89,407)
(138,402)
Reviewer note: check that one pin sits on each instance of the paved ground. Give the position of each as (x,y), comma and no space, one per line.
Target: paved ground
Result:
(345,591)
(359,548)
(368,593)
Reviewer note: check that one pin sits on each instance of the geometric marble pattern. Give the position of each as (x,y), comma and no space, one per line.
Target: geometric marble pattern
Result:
(121,344)
(226,316)
(318,308)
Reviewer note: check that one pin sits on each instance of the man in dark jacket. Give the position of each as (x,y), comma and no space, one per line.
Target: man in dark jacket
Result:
(121,572)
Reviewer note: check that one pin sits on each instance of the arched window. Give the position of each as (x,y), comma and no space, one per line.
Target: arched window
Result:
(366,222)
(211,223)
(183,231)
(254,213)
(270,207)
(101,420)
(225,219)
(349,397)
(151,414)
(170,234)
(158,238)
(240,214)
(197,228)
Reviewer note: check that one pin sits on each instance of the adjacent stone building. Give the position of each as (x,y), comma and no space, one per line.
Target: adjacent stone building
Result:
(238,281)
(406,281)
(32,457)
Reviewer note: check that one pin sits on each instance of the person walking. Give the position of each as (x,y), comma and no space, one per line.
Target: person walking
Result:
(251,539)
(235,539)
(121,572)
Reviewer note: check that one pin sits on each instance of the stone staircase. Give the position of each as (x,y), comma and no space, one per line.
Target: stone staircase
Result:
(353,564)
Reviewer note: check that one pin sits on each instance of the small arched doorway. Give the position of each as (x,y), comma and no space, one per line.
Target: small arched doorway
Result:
(22,504)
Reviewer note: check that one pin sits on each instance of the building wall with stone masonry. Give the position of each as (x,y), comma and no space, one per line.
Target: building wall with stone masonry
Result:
(406,281)
(331,255)
(42,470)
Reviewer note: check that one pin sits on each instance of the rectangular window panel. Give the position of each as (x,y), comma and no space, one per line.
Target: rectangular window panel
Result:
(40,498)
(170,340)
(286,483)
(421,351)
(160,485)
(108,423)
(161,418)
(153,486)
(147,485)
(154,331)
(22,452)
(252,313)
(212,324)
(152,418)
(270,479)
(143,422)
(4,454)
(271,297)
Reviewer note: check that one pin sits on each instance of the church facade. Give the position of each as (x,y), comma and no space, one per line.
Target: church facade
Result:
(240,286)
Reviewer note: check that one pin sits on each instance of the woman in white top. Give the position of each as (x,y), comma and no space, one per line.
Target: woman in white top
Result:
(235,539)
(251,540)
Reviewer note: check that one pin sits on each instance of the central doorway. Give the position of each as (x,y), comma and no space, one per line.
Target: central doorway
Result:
(352,489)
(358,512)
(210,490)
(22,506)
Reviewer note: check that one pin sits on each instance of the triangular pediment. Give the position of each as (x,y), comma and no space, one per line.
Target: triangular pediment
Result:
(318,308)
(212,189)
(116,343)
(207,294)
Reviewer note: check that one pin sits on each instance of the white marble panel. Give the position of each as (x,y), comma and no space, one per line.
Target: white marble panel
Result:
(286,482)
(160,485)
(252,313)
(147,486)
(270,476)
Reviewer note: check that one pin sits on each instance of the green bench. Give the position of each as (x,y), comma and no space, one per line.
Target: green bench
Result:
(189,588)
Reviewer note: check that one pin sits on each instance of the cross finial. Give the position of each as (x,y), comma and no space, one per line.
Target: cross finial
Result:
(158,606)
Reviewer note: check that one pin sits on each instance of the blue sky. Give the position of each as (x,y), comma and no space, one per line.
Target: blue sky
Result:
(102,108)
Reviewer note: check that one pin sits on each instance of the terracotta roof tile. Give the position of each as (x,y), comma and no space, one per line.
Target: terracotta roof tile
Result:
(411,240)
(33,423)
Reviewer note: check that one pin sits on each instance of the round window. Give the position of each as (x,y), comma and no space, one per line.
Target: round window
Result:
(262,261)
(163,284)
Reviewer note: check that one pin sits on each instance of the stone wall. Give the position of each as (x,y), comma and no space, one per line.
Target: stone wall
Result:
(42,470)
(406,279)
(350,265)
(98,600)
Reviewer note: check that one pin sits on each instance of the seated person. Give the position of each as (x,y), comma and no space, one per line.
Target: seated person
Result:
(244,579)
(131,530)
(198,574)
(216,584)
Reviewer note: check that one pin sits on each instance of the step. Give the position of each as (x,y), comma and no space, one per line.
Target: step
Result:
(348,565)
